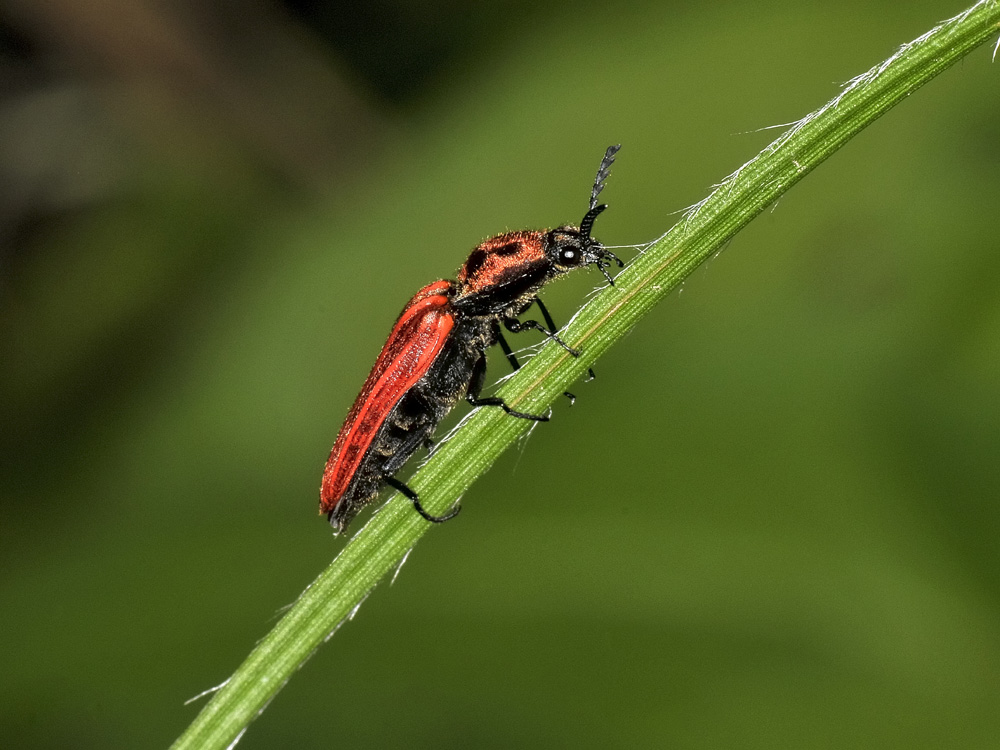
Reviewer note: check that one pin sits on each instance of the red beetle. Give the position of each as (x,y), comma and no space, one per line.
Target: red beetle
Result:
(436,354)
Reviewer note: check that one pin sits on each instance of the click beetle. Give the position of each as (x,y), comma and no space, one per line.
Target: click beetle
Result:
(436,354)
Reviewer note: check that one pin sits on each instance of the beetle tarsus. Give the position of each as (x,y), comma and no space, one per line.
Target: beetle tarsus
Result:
(494,401)
(516,326)
(415,499)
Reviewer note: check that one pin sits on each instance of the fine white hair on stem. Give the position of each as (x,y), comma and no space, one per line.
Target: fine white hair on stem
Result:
(348,618)
(522,442)
(236,740)
(211,690)
(576,315)
(766,127)
(859,81)
(400,565)
(282,609)
(354,610)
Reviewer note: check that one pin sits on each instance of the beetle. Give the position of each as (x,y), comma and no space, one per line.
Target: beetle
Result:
(436,354)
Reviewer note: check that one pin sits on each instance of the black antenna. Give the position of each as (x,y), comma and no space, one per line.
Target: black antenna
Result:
(588,221)
(602,174)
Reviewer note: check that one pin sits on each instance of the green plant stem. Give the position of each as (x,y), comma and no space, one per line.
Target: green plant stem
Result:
(383,543)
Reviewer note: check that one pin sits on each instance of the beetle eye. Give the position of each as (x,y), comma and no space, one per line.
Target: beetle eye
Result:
(569,255)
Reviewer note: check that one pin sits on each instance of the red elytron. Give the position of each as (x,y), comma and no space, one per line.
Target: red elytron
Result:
(436,354)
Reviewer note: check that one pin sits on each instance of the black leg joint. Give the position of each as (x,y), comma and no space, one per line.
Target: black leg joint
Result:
(494,401)
(415,499)
(516,326)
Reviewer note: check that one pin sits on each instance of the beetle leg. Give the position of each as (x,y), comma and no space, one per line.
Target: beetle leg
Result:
(476,386)
(516,326)
(415,499)
(545,314)
(553,327)
(508,352)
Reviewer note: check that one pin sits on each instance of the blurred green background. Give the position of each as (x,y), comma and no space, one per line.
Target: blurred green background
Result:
(772,520)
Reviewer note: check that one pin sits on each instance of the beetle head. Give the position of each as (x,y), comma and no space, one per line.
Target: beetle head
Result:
(571,247)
